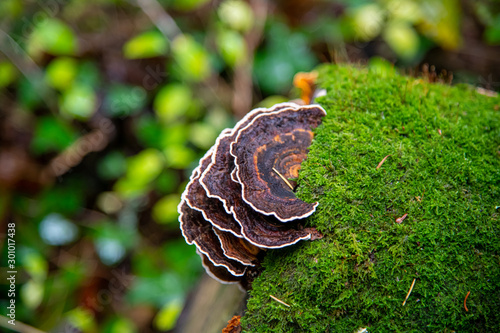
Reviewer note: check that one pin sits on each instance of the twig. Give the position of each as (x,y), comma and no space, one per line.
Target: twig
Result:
(160,18)
(70,157)
(486,92)
(19,326)
(279,301)
(409,292)
(242,78)
(382,162)
(401,219)
(465,300)
(27,66)
(361,330)
(284,179)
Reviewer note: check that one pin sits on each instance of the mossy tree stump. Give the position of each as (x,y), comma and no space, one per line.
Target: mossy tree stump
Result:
(442,169)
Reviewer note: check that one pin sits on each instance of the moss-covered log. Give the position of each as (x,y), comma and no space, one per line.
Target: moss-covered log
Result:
(442,172)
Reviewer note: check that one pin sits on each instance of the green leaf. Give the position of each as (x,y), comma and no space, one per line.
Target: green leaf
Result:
(65,199)
(52,36)
(492,32)
(34,263)
(157,290)
(441,22)
(405,10)
(11,8)
(202,135)
(129,189)
(123,100)
(51,135)
(142,169)
(32,293)
(181,258)
(79,102)
(120,325)
(232,47)
(285,54)
(219,118)
(30,91)
(167,182)
(82,319)
(146,45)
(367,21)
(61,73)
(272,100)
(172,101)
(178,157)
(145,166)
(175,134)
(145,262)
(167,317)
(113,240)
(236,14)
(8,73)
(187,5)
(88,74)
(191,58)
(112,166)
(382,67)
(402,38)
(149,131)
(165,210)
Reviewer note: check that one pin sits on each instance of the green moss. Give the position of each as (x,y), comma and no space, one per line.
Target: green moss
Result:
(443,171)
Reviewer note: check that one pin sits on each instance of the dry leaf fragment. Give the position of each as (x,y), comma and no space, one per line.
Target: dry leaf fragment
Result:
(401,219)
(382,162)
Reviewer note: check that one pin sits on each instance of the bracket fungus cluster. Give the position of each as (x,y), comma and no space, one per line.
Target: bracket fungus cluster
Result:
(240,200)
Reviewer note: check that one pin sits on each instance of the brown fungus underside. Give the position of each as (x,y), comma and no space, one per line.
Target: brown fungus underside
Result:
(239,197)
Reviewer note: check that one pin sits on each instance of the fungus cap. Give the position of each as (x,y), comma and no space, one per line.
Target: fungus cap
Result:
(268,152)
(216,178)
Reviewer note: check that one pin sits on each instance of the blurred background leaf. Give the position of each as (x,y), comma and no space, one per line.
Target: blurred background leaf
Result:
(52,36)
(146,45)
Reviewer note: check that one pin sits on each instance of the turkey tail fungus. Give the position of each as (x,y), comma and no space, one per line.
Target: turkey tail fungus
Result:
(240,200)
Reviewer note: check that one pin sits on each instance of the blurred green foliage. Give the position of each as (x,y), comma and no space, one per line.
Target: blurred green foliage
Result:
(107,105)
(146,45)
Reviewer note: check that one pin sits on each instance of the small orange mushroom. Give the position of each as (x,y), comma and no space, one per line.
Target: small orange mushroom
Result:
(306,83)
